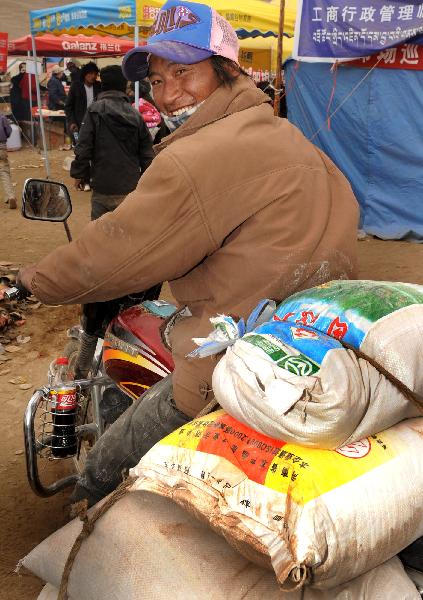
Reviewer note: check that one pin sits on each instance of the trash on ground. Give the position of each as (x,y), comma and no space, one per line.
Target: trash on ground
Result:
(25,386)
(18,380)
(12,348)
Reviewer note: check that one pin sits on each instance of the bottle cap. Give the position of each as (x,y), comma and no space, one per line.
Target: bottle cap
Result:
(62,360)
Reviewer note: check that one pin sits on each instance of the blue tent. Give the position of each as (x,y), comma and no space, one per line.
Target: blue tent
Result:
(375,138)
(116,17)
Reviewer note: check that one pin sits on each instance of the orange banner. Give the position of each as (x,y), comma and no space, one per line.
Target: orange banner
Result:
(405,56)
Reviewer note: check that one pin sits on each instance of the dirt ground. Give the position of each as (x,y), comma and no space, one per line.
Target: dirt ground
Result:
(25,519)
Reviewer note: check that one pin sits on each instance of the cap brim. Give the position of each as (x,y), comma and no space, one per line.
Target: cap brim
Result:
(135,63)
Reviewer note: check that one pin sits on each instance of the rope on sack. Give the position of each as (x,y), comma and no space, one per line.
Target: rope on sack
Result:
(80,509)
(210,406)
(409,394)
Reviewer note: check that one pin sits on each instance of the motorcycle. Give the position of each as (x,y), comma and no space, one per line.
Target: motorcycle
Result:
(117,352)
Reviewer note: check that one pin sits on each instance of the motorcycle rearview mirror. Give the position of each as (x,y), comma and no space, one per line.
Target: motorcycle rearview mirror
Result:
(44,200)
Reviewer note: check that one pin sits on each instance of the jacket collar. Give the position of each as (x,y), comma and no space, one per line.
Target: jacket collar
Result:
(221,103)
(112,94)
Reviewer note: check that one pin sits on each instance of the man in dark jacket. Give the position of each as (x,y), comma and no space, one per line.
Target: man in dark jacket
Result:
(114,146)
(81,94)
(56,91)
(74,70)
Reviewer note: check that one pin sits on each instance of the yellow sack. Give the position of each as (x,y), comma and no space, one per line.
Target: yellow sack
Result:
(320,517)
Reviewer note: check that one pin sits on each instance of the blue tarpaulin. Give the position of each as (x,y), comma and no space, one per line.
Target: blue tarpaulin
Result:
(375,138)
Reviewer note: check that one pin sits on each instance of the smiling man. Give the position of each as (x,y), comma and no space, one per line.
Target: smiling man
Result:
(237,206)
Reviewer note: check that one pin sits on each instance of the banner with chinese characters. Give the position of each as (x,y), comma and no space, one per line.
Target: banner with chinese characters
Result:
(249,18)
(345,29)
(71,45)
(3,52)
(405,56)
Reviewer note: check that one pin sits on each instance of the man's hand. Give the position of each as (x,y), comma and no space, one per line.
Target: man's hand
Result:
(73,127)
(77,184)
(25,277)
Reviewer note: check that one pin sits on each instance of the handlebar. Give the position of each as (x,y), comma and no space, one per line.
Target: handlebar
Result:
(17,292)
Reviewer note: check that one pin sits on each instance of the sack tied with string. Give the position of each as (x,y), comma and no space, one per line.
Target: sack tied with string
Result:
(321,517)
(292,378)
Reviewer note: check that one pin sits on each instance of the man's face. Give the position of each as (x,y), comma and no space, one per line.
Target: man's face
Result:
(22,68)
(90,77)
(178,87)
(71,67)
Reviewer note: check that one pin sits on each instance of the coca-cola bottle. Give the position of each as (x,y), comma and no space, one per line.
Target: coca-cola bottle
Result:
(63,409)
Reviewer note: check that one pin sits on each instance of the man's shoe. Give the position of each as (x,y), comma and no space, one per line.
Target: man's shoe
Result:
(12,202)
(87,188)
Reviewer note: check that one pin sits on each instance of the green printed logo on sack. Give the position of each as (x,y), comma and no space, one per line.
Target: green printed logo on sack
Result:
(346,310)
(299,350)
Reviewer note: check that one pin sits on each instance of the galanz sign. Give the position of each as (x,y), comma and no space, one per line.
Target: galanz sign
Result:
(85,46)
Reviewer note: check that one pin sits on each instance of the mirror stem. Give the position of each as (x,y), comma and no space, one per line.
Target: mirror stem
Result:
(68,233)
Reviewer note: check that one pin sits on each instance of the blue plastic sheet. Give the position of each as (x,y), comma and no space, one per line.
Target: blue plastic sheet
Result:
(375,138)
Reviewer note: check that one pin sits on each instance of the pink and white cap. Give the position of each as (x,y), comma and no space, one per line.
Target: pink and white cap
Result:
(186,33)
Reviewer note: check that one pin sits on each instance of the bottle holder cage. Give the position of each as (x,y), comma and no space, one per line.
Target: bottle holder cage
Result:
(45,438)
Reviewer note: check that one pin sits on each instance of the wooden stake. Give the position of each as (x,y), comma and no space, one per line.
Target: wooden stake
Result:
(278,80)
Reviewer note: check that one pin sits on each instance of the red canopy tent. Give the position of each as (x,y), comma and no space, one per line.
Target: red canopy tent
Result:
(71,45)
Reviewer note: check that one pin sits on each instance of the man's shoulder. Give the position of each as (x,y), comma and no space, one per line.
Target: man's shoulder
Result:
(222,135)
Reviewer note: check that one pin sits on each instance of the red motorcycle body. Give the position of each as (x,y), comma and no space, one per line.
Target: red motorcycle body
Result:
(134,354)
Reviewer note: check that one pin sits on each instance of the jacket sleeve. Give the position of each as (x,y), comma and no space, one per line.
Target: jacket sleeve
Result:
(84,150)
(54,92)
(70,105)
(157,234)
(146,152)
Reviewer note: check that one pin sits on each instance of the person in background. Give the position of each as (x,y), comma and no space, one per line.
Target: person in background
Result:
(114,146)
(56,91)
(149,112)
(28,87)
(5,132)
(268,89)
(23,93)
(74,70)
(16,101)
(81,95)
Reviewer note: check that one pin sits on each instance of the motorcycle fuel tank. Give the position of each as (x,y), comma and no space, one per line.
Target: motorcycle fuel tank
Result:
(134,354)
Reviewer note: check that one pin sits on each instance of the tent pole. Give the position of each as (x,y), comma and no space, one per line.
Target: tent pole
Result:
(30,103)
(137,83)
(278,80)
(37,84)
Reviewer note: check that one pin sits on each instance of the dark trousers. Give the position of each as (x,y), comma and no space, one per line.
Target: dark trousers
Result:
(102,204)
(148,420)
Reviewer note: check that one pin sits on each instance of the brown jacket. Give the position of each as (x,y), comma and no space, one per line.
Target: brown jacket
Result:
(236,206)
